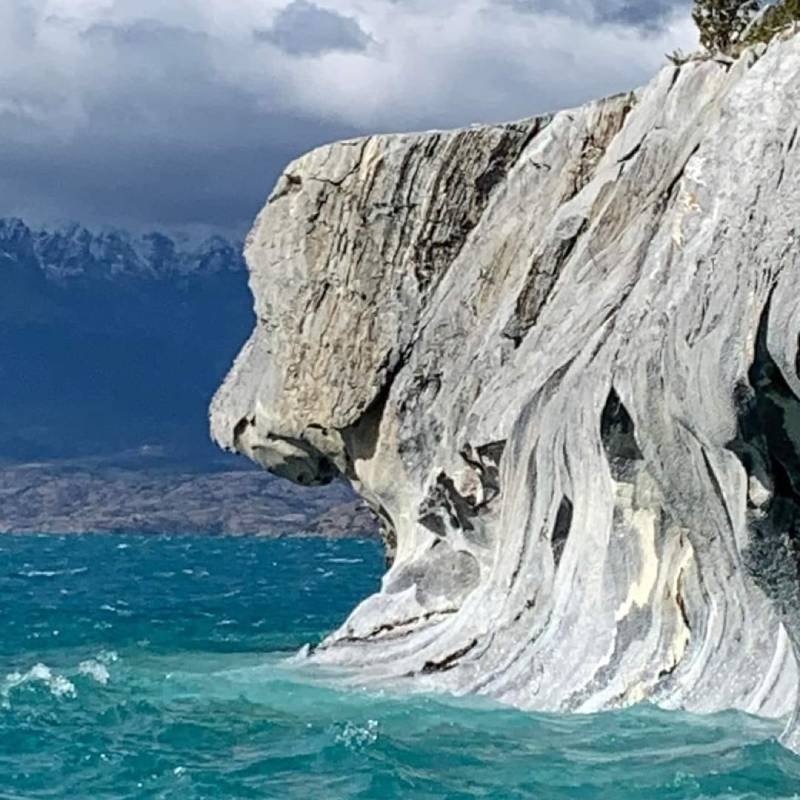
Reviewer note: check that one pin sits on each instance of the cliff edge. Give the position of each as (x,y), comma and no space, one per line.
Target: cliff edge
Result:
(560,359)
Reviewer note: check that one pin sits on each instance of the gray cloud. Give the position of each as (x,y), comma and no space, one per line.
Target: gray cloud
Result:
(145,33)
(216,176)
(169,113)
(305,29)
(642,13)
(646,15)
(161,138)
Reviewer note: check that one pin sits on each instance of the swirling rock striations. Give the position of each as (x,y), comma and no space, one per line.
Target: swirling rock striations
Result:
(559,358)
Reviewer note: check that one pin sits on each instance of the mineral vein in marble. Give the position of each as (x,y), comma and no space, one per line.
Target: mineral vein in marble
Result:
(559,358)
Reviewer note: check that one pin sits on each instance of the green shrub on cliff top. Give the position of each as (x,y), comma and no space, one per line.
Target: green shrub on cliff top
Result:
(726,26)
(776,18)
(722,22)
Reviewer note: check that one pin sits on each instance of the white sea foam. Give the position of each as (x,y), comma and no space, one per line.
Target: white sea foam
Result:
(118,611)
(356,737)
(108,656)
(52,573)
(58,685)
(94,669)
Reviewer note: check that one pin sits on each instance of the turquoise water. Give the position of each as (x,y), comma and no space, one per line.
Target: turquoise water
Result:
(135,667)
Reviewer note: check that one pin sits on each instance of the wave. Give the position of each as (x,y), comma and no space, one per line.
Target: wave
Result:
(51,573)
(59,684)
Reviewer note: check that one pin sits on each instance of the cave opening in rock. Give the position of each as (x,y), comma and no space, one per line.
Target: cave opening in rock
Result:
(617,432)
(768,445)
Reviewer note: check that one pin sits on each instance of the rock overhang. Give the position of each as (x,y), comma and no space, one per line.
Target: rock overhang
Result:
(551,355)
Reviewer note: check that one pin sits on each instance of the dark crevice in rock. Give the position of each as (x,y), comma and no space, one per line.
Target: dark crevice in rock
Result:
(448,662)
(313,468)
(632,152)
(445,504)
(288,184)
(675,75)
(318,298)
(520,557)
(681,602)
(241,426)
(505,156)
(668,193)
(485,460)
(398,628)
(338,183)
(561,529)
(768,415)
(421,391)
(797,358)
(665,673)
(500,159)
(617,432)
(539,284)
(388,532)
(712,475)
(594,146)
(492,452)
(432,520)
(361,438)
(444,238)
(360,443)
(530,604)
(446,508)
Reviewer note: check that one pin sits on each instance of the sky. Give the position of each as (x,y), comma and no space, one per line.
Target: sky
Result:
(175,114)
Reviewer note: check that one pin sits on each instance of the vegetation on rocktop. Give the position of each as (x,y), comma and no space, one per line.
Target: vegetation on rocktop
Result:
(722,22)
(726,26)
(775,19)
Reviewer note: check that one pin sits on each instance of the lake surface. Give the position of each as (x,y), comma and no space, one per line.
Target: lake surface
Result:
(154,667)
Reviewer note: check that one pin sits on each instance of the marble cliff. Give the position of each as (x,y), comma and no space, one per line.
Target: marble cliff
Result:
(560,359)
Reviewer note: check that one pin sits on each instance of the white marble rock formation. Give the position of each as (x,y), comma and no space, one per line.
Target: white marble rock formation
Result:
(559,358)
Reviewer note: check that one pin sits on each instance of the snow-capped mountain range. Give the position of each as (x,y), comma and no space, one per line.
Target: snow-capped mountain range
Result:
(113,342)
(73,252)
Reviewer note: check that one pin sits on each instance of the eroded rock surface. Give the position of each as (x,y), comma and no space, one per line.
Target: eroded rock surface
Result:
(559,359)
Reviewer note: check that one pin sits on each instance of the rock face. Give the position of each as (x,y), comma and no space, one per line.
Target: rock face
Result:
(559,358)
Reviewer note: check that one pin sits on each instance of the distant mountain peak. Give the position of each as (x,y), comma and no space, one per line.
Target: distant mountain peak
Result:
(72,252)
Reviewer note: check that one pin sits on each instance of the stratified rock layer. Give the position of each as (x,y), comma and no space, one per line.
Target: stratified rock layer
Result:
(559,358)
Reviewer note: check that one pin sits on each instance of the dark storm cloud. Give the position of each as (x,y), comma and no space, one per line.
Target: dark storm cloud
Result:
(305,29)
(162,138)
(220,180)
(172,113)
(643,14)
